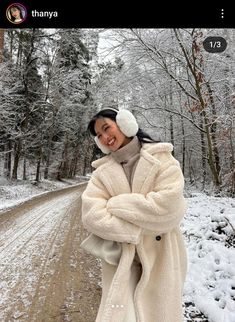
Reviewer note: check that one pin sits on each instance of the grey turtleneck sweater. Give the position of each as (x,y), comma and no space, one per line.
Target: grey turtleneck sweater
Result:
(128,157)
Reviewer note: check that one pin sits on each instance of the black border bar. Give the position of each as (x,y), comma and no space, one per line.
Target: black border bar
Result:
(117,15)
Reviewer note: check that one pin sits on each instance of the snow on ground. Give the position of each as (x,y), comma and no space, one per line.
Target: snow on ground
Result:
(208,229)
(16,192)
(209,233)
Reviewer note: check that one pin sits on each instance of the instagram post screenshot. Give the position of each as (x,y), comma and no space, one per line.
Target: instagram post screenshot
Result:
(117,163)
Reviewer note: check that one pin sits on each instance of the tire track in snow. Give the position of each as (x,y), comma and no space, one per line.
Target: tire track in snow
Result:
(42,266)
(27,228)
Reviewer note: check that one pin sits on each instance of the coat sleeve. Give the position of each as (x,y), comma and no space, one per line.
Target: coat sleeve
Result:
(161,209)
(98,220)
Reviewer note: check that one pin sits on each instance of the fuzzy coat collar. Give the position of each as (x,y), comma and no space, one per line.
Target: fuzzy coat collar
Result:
(145,171)
(148,150)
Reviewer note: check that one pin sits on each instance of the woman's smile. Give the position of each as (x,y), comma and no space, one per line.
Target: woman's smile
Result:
(111,142)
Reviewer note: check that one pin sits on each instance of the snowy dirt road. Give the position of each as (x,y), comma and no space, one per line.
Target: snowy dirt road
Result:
(44,275)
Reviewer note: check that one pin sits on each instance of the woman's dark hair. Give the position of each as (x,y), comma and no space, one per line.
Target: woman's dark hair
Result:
(111,114)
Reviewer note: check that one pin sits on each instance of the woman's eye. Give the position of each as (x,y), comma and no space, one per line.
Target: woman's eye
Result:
(106,128)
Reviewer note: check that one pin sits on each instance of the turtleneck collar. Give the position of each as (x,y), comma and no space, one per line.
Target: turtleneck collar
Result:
(127,151)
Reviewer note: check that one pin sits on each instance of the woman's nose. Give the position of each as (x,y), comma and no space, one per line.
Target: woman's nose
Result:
(104,138)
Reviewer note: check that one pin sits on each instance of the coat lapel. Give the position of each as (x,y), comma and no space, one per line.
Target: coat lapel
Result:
(114,179)
(113,176)
(146,169)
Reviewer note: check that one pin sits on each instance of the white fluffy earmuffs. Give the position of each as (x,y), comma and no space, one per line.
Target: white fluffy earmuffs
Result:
(127,124)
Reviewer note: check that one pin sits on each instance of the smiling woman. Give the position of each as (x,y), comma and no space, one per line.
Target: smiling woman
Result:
(133,205)
(16,13)
(109,134)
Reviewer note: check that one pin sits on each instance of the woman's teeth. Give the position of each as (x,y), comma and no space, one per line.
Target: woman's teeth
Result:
(111,142)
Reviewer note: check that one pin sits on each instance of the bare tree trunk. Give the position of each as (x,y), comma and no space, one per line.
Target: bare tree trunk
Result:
(39,159)
(63,168)
(203,157)
(171,119)
(73,167)
(17,154)
(1,44)
(192,175)
(214,130)
(183,137)
(74,162)
(232,156)
(19,51)
(172,131)
(37,179)
(49,143)
(24,169)
(165,119)
(48,154)
(7,162)
(47,165)
(232,161)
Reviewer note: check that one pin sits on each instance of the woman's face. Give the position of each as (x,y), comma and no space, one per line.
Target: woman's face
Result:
(109,134)
(15,12)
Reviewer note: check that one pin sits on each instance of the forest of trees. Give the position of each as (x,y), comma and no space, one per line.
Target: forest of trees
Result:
(53,80)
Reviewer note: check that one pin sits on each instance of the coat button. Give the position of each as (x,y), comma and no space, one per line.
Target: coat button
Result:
(158,238)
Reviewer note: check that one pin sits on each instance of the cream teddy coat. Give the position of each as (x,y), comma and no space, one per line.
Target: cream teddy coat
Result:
(145,219)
